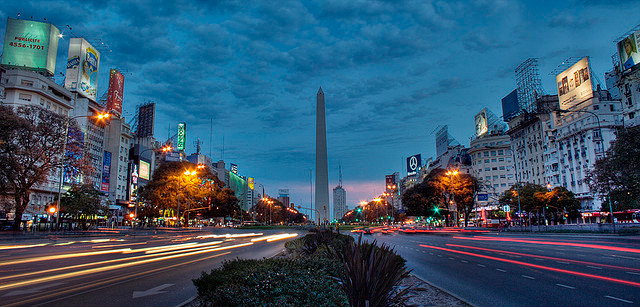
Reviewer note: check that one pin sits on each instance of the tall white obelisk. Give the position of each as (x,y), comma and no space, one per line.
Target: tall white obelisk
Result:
(322,176)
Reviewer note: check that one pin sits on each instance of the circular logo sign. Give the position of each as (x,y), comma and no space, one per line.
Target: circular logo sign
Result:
(413,163)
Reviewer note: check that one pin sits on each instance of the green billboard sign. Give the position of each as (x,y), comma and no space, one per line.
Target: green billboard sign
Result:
(30,44)
(182,135)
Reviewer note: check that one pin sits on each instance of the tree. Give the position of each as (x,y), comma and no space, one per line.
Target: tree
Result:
(528,201)
(170,187)
(82,202)
(31,145)
(559,202)
(618,175)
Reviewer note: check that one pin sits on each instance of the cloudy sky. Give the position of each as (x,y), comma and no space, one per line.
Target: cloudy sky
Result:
(392,71)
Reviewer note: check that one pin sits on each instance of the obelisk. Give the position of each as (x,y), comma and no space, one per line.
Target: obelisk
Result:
(322,176)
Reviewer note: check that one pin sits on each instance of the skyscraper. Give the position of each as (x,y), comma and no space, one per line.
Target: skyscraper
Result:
(339,198)
(322,176)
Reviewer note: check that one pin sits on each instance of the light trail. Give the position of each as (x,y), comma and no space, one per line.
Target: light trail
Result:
(621,281)
(21,246)
(605,247)
(242,235)
(63,256)
(285,236)
(274,237)
(567,261)
(114,267)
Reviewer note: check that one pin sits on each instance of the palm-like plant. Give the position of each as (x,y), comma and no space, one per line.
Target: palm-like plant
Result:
(372,274)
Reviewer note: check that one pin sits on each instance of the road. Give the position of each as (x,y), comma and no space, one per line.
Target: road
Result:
(505,269)
(148,269)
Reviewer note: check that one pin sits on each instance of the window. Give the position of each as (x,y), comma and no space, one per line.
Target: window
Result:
(48,105)
(26,83)
(503,176)
(501,152)
(596,107)
(494,160)
(486,169)
(486,160)
(494,168)
(502,168)
(501,159)
(24,97)
(486,153)
(493,153)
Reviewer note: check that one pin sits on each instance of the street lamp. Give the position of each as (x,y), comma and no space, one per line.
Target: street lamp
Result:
(452,173)
(613,224)
(186,173)
(99,116)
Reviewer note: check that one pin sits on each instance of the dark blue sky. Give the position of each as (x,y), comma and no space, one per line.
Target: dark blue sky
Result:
(392,71)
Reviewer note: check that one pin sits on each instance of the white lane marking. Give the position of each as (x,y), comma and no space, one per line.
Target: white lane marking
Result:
(562,262)
(565,286)
(501,270)
(430,253)
(633,273)
(527,276)
(594,267)
(482,265)
(33,290)
(439,255)
(618,299)
(451,258)
(152,291)
(464,261)
(538,259)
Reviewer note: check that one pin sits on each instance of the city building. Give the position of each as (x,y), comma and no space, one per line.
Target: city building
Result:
(283,197)
(625,76)
(575,139)
(339,202)
(527,132)
(118,141)
(24,87)
(491,158)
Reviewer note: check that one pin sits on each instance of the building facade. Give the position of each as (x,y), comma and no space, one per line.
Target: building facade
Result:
(339,202)
(492,164)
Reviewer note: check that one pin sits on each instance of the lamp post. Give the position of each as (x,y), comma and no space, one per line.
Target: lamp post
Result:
(99,116)
(186,173)
(452,173)
(613,224)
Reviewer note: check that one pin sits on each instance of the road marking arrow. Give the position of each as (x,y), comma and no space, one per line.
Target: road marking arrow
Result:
(152,291)
(32,290)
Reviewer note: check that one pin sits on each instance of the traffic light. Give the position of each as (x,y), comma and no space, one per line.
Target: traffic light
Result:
(359,209)
(436,209)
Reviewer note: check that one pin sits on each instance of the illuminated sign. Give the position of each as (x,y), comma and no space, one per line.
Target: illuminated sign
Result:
(82,68)
(481,123)
(30,44)
(629,52)
(574,84)
(116,91)
(106,172)
(251,182)
(182,135)
(144,170)
(413,164)
(234,168)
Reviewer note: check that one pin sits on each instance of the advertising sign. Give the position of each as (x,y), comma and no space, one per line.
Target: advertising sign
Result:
(82,68)
(75,140)
(106,171)
(133,186)
(182,136)
(251,182)
(510,106)
(115,93)
(144,170)
(234,168)
(483,197)
(31,44)
(629,51)
(413,164)
(574,84)
(481,123)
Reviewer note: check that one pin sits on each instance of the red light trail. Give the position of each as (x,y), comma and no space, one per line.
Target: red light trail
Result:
(605,247)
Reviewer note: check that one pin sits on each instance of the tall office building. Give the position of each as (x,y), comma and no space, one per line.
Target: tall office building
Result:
(322,174)
(339,198)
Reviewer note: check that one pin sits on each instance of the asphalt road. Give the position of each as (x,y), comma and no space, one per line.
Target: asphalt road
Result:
(525,269)
(151,269)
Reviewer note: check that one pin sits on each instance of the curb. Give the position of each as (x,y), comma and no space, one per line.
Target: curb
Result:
(447,292)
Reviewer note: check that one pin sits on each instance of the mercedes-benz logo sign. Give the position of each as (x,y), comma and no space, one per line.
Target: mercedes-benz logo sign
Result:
(413,163)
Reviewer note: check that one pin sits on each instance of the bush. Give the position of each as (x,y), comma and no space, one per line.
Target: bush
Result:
(371,274)
(272,282)
(318,243)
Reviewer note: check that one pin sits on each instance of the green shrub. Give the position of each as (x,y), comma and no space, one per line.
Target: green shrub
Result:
(371,274)
(272,282)
(318,243)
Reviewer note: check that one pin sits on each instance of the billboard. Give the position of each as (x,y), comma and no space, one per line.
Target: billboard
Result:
(251,182)
(182,135)
(510,106)
(82,68)
(106,172)
(146,117)
(482,126)
(31,44)
(115,93)
(144,172)
(234,168)
(413,164)
(629,51)
(574,84)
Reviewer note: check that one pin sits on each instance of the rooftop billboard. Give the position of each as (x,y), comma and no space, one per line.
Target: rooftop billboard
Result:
(82,68)
(116,90)
(30,44)
(482,125)
(413,164)
(510,106)
(574,84)
(629,51)
(182,136)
